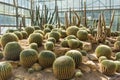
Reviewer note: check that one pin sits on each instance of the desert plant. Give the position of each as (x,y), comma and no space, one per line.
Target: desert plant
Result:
(12,51)
(28,57)
(62,33)
(36,27)
(76,55)
(36,38)
(103,50)
(72,30)
(117,56)
(117,66)
(25,34)
(49,45)
(34,46)
(108,67)
(1,55)
(29,30)
(82,35)
(46,58)
(39,31)
(117,45)
(8,37)
(101,58)
(54,34)
(73,43)
(46,30)
(52,39)
(64,43)
(18,34)
(118,38)
(70,37)
(5,70)
(64,67)
(50,26)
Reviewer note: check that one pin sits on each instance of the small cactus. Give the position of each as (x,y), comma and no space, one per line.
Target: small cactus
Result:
(52,39)
(73,43)
(102,58)
(39,31)
(72,30)
(55,34)
(70,37)
(117,45)
(1,55)
(64,43)
(25,34)
(117,56)
(34,46)
(49,45)
(117,66)
(19,35)
(29,30)
(82,35)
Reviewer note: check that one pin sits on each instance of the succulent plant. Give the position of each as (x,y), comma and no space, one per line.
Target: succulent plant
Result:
(5,70)
(1,55)
(36,38)
(78,74)
(72,30)
(82,35)
(50,26)
(36,27)
(102,58)
(64,67)
(8,37)
(46,58)
(34,46)
(28,57)
(30,70)
(108,67)
(39,31)
(52,39)
(117,66)
(83,52)
(103,50)
(76,55)
(46,30)
(63,33)
(49,45)
(18,34)
(36,67)
(117,56)
(12,51)
(25,34)
(70,37)
(117,45)
(118,38)
(64,43)
(54,34)
(73,43)
(29,30)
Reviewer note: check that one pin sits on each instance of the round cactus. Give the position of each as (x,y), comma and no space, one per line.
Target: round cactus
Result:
(18,34)
(50,26)
(25,35)
(76,55)
(103,50)
(108,67)
(82,35)
(36,27)
(117,45)
(63,33)
(72,30)
(64,43)
(49,45)
(29,30)
(46,58)
(12,51)
(102,58)
(1,55)
(52,39)
(39,31)
(73,43)
(118,38)
(117,56)
(70,37)
(28,57)
(10,30)
(46,30)
(117,66)
(64,67)
(8,37)
(54,34)
(30,70)
(36,38)
(5,70)
(34,46)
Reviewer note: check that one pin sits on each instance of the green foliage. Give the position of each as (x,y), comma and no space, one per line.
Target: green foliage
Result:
(76,55)
(8,37)
(82,35)
(29,30)
(36,38)
(28,57)
(46,58)
(64,67)
(12,51)
(103,50)
(72,30)
(108,67)
(5,70)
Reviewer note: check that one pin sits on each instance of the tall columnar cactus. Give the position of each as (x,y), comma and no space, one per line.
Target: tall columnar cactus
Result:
(36,38)
(82,35)
(25,34)
(12,51)
(5,70)
(103,50)
(28,57)
(46,58)
(29,30)
(49,45)
(76,55)
(8,37)
(72,30)
(54,34)
(18,34)
(73,43)
(108,67)
(34,46)
(64,67)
